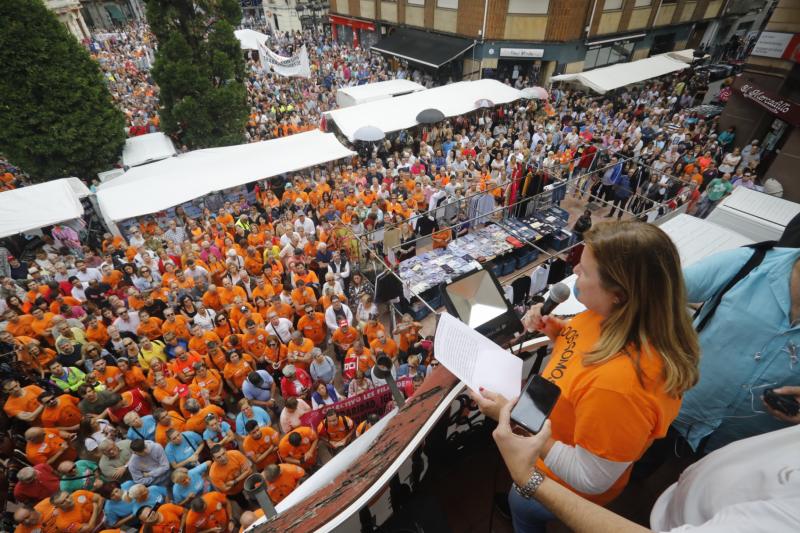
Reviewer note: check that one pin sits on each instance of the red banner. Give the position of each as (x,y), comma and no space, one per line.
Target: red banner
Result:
(359,406)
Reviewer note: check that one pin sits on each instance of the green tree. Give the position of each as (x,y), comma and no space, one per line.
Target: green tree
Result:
(200,69)
(55,109)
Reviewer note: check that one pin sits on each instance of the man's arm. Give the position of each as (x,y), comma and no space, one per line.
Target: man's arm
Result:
(163,463)
(30,416)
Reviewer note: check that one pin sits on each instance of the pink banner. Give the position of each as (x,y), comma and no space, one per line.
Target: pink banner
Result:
(359,406)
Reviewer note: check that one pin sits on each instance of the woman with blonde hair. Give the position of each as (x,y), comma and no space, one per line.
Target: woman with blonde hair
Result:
(622,366)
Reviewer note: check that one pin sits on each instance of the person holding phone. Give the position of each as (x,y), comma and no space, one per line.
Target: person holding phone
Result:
(622,366)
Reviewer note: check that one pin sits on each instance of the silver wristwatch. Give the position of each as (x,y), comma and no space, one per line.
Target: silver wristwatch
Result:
(529,489)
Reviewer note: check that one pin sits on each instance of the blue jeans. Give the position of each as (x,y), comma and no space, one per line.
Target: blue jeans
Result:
(528,516)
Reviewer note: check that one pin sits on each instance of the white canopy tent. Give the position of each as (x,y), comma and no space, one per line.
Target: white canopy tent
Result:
(147,148)
(687,56)
(158,186)
(369,92)
(44,204)
(398,113)
(605,79)
(249,39)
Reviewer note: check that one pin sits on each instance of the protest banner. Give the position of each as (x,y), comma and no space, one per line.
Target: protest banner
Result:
(359,406)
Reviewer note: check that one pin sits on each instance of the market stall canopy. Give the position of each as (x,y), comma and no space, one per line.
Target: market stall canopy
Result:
(164,184)
(369,92)
(401,112)
(147,148)
(43,204)
(250,39)
(606,79)
(430,49)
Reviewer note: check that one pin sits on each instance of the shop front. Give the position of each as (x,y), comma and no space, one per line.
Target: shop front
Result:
(353,32)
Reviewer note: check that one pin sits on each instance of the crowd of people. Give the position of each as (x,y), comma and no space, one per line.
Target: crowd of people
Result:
(151,374)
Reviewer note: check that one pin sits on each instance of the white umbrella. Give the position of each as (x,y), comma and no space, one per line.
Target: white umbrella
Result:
(249,39)
(535,93)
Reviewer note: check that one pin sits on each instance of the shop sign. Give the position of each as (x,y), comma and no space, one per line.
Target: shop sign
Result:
(785,110)
(774,44)
(528,53)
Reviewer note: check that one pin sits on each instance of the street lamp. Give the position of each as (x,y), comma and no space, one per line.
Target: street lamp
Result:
(312,8)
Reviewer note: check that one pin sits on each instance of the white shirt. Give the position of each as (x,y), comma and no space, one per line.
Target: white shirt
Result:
(89,274)
(751,485)
(206,321)
(130,325)
(283,330)
(307,225)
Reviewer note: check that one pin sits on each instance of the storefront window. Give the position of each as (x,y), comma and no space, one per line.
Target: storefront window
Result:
(608,55)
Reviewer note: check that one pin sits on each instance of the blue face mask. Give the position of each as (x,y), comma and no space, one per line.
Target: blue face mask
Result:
(576,292)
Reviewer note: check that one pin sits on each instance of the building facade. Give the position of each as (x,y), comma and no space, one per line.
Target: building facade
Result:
(538,37)
(69,14)
(765,101)
(109,14)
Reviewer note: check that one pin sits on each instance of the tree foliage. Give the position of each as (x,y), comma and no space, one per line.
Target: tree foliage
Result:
(56,112)
(200,69)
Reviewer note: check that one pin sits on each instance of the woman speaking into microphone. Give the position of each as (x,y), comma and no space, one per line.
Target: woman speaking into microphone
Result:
(622,366)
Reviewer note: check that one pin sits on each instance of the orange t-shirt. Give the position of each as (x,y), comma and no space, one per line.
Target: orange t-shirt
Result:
(27,403)
(221,474)
(215,515)
(21,327)
(151,328)
(313,327)
(285,483)
(171,516)
(65,414)
(346,339)
(197,422)
(80,514)
(286,450)
(212,382)
(337,431)
(134,378)
(180,327)
(605,408)
(97,334)
(253,448)
(371,332)
(390,348)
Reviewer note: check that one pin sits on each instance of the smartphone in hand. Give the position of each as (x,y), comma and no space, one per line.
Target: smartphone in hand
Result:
(535,403)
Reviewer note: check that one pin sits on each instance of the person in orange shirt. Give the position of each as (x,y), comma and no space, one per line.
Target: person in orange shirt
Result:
(196,421)
(133,375)
(335,431)
(228,470)
(253,262)
(22,402)
(236,369)
(303,295)
(244,314)
(176,324)
(18,325)
(60,412)
(96,331)
(358,358)
(300,447)
(299,351)
(80,511)
(209,512)
(166,420)
(283,310)
(254,340)
(211,298)
(149,326)
(166,518)
(372,327)
(260,445)
(48,446)
(229,292)
(312,326)
(32,520)
(41,324)
(262,289)
(210,381)
(408,334)
(169,392)
(282,479)
(199,340)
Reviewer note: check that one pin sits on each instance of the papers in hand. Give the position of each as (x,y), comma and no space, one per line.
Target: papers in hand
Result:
(476,360)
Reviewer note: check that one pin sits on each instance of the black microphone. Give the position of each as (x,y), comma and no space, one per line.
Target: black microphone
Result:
(559,293)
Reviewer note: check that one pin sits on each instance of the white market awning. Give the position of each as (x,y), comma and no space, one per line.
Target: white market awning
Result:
(369,92)
(164,184)
(606,79)
(399,113)
(687,56)
(249,39)
(147,148)
(43,204)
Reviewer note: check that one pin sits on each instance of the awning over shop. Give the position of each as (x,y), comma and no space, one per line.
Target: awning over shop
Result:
(164,184)
(146,149)
(398,113)
(43,204)
(605,79)
(430,49)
